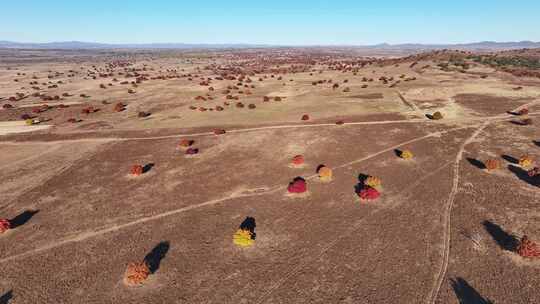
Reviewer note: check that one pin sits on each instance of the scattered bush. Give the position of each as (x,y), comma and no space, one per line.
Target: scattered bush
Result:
(137,273)
(525,161)
(372,181)
(297,186)
(528,248)
(534,172)
(368,193)
(119,107)
(89,110)
(325,173)
(437,116)
(527,122)
(492,164)
(243,238)
(523,111)
(137,170)
(406,154)
(298,160)
(186,143)
(192,151)
(5,225)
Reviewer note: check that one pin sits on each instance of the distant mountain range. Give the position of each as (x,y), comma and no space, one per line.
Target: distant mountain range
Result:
(485,45)
(95,45)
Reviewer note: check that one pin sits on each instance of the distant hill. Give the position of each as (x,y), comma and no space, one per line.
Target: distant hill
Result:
(485,45)
(94,45)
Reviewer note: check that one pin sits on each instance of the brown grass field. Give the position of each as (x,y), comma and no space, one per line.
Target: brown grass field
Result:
(444,229)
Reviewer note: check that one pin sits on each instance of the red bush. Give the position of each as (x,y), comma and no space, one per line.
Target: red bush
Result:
(5,225)
(298,185)
(523,111)
(368,193)
(136,170)
(534,172)
(298,160)
(88,110)
(119,107)
(528,249)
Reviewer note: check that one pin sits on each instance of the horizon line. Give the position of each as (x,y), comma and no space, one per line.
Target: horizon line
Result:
(274,44)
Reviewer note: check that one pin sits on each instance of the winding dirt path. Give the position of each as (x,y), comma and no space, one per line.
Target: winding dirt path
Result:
(470,120)
(432,297)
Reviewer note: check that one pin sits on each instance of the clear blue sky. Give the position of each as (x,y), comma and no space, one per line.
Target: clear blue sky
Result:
(293,22)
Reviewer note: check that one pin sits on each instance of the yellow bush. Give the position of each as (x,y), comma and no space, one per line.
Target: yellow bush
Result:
(325,174)
(437,115)
(372,181)
(525,161)
(406,154)
(243,238)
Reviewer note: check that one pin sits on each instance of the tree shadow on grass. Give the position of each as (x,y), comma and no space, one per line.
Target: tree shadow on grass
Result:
(522,175)
(505,240)
(361,182)
(510,159)
(22,218)
(362,177)
(319,167)
(4,299)
(475,162)
(466,294)
(512,113)
(249,224)
(148,167)
(154,257)
(523,122)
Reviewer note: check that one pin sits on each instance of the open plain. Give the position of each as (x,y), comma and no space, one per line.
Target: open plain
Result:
(445,228)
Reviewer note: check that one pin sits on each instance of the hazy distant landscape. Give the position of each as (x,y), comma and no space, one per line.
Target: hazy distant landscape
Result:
(485,45)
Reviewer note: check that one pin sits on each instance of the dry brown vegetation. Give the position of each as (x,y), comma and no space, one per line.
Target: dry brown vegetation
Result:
(126,149)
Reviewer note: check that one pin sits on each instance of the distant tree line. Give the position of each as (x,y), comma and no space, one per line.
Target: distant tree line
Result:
(515,61)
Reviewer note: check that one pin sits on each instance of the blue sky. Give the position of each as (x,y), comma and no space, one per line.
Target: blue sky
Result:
(292,22)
